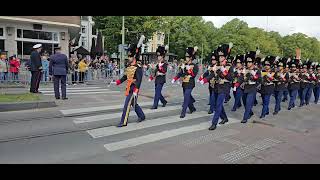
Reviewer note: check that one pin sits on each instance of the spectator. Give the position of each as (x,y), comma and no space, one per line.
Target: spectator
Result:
(73,64)
(82,69)
(45,67)
(3,66)
(14,68)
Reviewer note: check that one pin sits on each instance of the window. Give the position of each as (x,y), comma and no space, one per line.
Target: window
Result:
(83,41)
(1,32)
(159,37)
(2,45)
(27,47)
(40,35)
(83,29)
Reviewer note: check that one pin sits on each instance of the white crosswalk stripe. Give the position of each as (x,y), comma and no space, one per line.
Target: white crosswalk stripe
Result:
(104,117)
(110,133)
(80,91)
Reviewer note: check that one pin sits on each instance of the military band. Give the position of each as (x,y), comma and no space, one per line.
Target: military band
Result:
(245,75)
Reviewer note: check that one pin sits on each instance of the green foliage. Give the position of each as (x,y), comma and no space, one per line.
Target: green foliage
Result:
(187,31)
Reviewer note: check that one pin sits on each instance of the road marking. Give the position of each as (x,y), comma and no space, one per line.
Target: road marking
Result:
(112,130)
(108,116)
(159,136)
(51,88)
(86,93)
(98,108)
(79,90)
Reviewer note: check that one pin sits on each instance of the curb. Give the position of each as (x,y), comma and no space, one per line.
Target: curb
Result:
(26,106)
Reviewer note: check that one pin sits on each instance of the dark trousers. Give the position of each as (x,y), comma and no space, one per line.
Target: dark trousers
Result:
(74,77)
(130,101)
(210,93)
(219,111)
(188,101)
(35,81)
(293,95)
(237,98)
(56,83)
(316,92)
(303,96)
(308,95)
(265,104)
(285,94)
(14,76)
(213,101)
(278,97)
(249,97)
(158,96)
(81,77)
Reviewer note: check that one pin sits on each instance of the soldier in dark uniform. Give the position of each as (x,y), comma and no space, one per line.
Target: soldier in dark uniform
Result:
(188,73)
(229,65)
(267,85)
(35,68)
(304,76)
(293,83)
(223,76)
(286,91)
(316,90)
(252,76)
(238,78)
(160,77)
(133,75)
(212,97)
(311,82)
(280,79)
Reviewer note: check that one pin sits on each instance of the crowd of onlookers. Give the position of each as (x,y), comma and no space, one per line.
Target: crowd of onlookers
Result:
(81,68)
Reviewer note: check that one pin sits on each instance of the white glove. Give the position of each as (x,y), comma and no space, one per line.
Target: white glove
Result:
(202,82)
(238,71)
(188,67)
(253,72)
(173,81)
(269,75)
(135,94)
(282,76)
(183,66)
(313,75)
(178,82)
(149,80)
(223,69)
(161,64)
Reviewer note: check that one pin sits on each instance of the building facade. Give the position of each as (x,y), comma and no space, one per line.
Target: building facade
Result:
(157,39)
(87,32)
(19,33)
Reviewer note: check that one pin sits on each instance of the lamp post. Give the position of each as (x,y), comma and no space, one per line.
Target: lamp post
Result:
(122,48)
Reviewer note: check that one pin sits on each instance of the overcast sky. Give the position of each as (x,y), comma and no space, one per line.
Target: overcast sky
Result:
(309,25)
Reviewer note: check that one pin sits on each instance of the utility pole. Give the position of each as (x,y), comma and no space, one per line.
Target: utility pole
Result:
(122,49)
(168,41)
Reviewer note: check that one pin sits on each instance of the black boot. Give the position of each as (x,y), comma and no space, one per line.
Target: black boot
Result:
(224,121)
(164,104)
(213,127)
(141,119)
(210,112)
(154,108)
(182,116)
(244,121)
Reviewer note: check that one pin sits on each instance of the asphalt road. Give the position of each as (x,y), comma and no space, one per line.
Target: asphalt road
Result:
(81,130)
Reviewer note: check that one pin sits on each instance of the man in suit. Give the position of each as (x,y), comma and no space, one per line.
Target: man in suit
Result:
(58,67)
(35,68)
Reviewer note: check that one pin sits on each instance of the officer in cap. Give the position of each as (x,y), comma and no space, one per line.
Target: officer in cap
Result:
(35,68)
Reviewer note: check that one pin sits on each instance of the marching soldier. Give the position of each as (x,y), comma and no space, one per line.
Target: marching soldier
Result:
(280,79)
(188,73)
(311,82)
(212,97)
(229,65)
(267,85)
(317,85)
(223,77)
(252,76)
(304,76)
(286,91)
(160,77)
(133,75)
(238,78)
(293,82)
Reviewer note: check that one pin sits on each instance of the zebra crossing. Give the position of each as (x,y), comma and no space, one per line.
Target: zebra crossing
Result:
(80,91)
(167,117)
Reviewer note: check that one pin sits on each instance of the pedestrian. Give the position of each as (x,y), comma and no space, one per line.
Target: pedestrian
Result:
(58,68)
(35,68)
(160,77)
